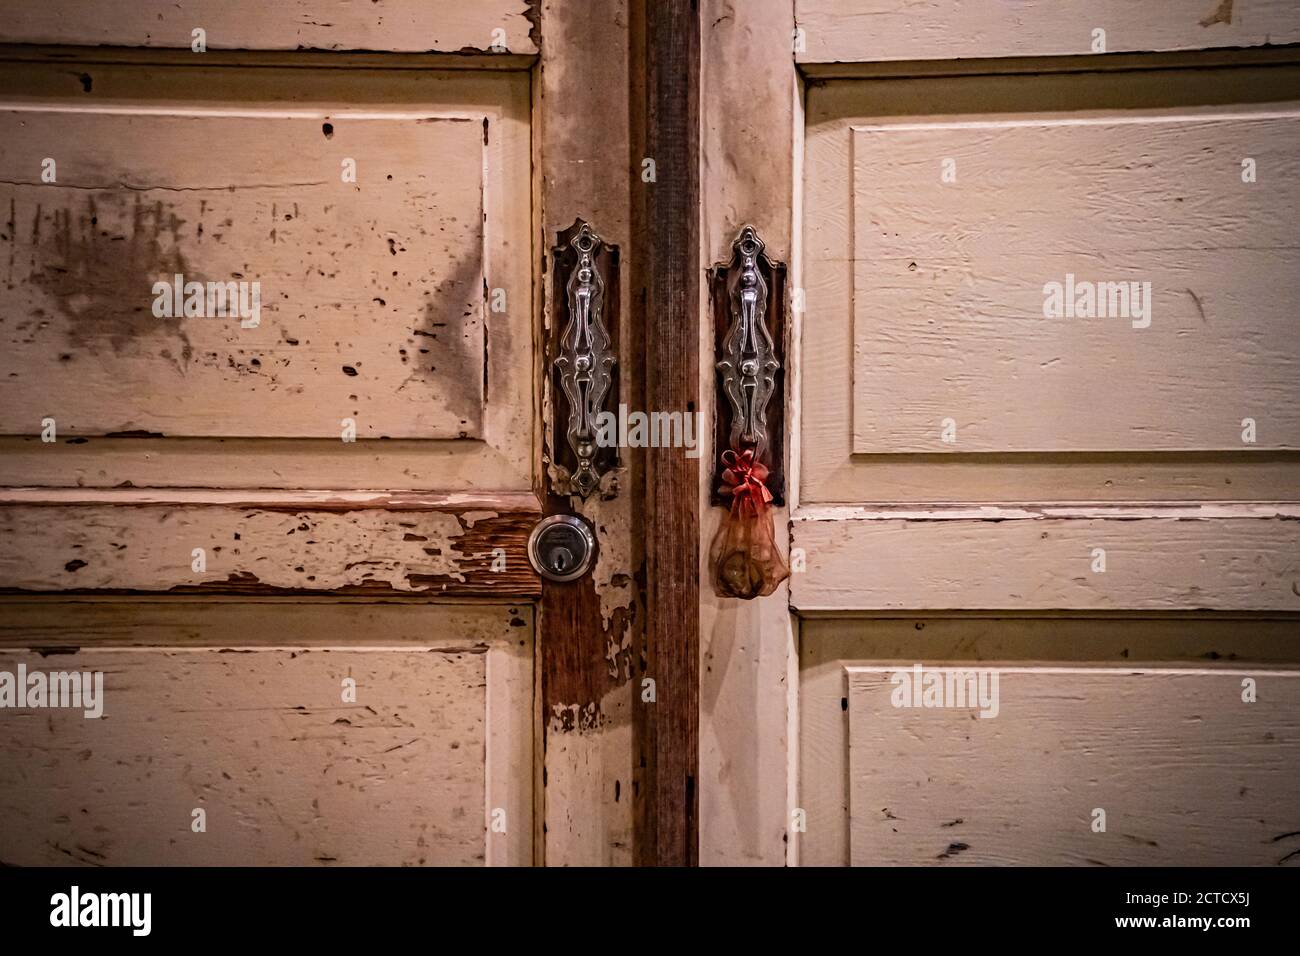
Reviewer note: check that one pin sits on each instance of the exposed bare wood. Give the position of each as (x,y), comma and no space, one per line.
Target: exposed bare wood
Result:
(950,29)
(587,626)
(446,26)
(272,499)
(260,549)
(668,275)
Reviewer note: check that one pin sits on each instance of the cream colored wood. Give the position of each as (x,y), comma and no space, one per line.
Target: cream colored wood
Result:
(158,547)
(838,30)
(1236,559)
(242,714)
(829,646)
(582,156)
(1074,457)
(398,302)
(1186,768)
(446,26)
(961,229)
(750,98)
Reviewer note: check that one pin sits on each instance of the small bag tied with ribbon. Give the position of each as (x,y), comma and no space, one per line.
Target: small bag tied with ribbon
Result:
(744,556)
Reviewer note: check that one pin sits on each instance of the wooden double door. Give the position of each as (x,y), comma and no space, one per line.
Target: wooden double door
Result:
(288,522)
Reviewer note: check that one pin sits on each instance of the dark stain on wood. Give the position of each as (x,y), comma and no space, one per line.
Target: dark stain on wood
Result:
(98,263)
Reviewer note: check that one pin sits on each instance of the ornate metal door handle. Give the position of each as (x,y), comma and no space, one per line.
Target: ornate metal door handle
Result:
(748,366)
(585,360)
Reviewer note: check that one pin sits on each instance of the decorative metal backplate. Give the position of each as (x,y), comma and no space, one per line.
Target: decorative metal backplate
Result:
(748,365)
(585,360)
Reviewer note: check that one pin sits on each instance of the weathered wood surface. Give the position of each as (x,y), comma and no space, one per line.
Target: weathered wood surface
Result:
(851,30)
(949,285)
(669,278)
(338,336)
(1230,559)
(828,646)
(397,302)
(588,627)
(243,716)
(1186,771)
(265,549)
(750,120)
(444,26)
(1136,441)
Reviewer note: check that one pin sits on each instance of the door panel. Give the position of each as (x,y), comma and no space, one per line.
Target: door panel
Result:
(1187,771)
(445,26)
(228,518)
(939,287)
(383,217)
(1178,788)
(241,710)
(1083,505)
(1151,558)
(862,30)
(1147,214)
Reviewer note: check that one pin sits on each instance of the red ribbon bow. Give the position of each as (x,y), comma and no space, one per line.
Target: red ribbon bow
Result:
(743,478)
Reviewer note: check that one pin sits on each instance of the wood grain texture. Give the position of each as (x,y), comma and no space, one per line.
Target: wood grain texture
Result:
(950,277)
(398,301)
(1178,101)
(669,278)
(749,96)
(457,552)
(849,30)
(1170,559)
(338,335)
(446,26)
(588,626)
(829,646)
(1188,774)
(260,738)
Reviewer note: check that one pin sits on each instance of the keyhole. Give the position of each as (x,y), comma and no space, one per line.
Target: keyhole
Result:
(561,547)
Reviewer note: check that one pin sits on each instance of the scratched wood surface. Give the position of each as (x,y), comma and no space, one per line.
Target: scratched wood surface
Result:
(242,715)
(830,646)
(1186,771)
(1153,559)
(587,657)
(949,285)
(941,296)
(396,302)
(853,30)
(459,552)
(445,26)
(750,117)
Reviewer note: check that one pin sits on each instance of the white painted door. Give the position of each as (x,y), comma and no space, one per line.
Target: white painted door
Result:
(1044,372)
(283,517)
(1047,437)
